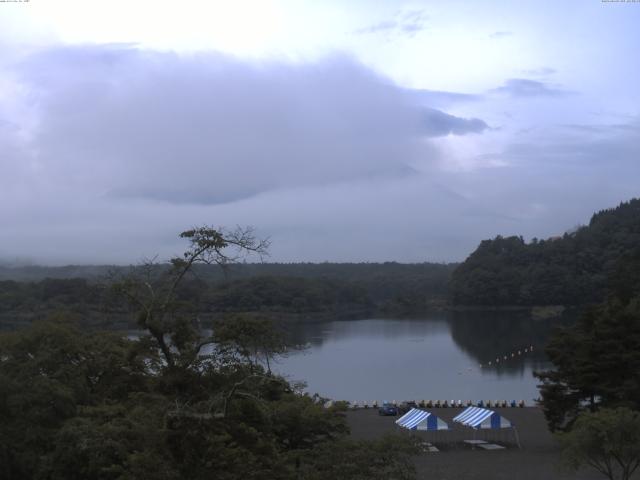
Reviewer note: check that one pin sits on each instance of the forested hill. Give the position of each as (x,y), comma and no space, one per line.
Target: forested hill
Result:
(335,289)
(410,285)
(574,269)
(438,273)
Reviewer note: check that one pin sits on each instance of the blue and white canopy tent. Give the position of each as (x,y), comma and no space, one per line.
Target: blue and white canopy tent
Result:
(476,417)
(416,419)
(485,419)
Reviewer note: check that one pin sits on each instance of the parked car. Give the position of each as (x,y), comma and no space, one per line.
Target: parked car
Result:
(388,409)
(406,406)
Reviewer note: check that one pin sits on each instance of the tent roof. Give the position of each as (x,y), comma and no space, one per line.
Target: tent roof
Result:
(477,417)
(416,419)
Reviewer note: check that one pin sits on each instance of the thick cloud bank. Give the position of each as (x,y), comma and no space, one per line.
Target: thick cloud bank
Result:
(211,129)
(108,152)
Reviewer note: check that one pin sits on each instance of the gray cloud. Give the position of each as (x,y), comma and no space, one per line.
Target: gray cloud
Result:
(406,23)
(548,182)
(612,150)
(413,21)
(382,26)
(439,123)
(211,129)
(442,99)
(522,87)
(600,130)
(115,150)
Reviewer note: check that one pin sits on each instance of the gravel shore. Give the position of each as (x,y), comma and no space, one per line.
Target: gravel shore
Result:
(538,458)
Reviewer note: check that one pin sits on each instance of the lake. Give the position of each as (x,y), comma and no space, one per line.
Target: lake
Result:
(435,357)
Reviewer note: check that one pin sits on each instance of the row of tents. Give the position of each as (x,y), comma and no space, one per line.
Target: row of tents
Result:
(474,417)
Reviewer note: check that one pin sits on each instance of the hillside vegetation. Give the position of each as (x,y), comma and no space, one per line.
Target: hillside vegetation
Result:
(292,289)
(570,270)
(177,401)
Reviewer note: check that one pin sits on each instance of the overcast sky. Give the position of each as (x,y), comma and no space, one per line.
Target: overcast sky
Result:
(342,130)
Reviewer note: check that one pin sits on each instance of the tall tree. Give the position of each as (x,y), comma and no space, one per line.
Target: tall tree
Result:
(596,361)
(608,441)
(152,289)
(254,338)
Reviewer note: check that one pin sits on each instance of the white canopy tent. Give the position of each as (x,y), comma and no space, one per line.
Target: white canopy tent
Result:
(416,419)
(484,419)
(476,417)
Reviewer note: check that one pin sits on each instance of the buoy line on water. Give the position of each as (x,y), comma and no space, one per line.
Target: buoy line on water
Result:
(507,357)
(498,360)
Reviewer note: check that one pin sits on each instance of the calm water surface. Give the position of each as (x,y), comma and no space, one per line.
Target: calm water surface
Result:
(436,357)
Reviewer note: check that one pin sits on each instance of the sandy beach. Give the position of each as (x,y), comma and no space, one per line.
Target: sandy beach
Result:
(537,459)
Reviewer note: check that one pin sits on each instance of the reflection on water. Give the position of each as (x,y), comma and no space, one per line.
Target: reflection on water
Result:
(437,357)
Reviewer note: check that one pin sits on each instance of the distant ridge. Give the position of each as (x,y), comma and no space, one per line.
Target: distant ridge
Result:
(344,271)
(34,273)
(326,290)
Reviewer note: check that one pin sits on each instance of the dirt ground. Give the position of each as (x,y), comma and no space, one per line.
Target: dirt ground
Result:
(538,458)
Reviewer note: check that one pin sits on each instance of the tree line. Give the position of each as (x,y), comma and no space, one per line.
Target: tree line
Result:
(297,289)
(574,269)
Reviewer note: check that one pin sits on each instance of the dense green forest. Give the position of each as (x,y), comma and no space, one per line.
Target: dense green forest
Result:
(76,404)
(570,270)
(287,289)
(357,272)
(597,359)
